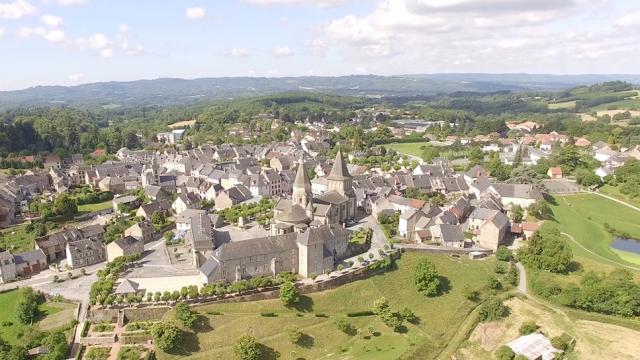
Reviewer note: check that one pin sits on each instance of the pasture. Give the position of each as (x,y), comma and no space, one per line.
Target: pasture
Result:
(439,317)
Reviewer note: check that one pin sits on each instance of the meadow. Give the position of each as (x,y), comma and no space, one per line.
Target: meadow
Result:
(439,317)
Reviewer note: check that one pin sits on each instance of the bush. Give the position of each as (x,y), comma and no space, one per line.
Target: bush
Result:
(505,353)
(289,294)
(360,313)
(344,326)
(129,353)
(503,253)
(426,278)
(469,293)
(408,315)
(294,335)
(563,342)
(268,314)
(247,348)
(493,309)
(493,283)
(186,315)
(528,327)
(166,335)
(500,268)
(512,276)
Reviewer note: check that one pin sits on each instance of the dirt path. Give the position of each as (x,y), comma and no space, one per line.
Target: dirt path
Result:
(522,282)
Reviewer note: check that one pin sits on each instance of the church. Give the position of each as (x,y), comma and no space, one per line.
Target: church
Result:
(336,206)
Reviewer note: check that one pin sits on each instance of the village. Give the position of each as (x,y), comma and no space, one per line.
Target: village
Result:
(194,218)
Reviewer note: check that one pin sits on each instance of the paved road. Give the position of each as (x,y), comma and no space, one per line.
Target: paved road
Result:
(522,283)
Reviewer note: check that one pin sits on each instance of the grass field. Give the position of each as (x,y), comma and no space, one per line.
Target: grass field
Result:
(632,103)
(583,216)
(562,105)
(439,317)
(54,315)
(615,192)
(88,208)
(17,239)
(414,148)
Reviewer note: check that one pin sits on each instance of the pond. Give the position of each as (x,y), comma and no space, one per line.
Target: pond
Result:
(629,245)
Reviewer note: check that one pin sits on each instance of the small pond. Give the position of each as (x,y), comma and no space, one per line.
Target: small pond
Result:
(629,245)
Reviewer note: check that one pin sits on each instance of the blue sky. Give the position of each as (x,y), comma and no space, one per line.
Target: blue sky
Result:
(66,42)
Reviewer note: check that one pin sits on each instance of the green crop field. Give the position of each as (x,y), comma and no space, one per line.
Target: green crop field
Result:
(562,105)
(583,216)
(439,317)
(414,148)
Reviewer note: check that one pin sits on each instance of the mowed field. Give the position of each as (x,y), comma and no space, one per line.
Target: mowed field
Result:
(53,316)
(413,148)
(89,208)
(583,216)
(439,317)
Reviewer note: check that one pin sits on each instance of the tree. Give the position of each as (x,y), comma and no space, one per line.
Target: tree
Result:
(408,315)
(168,235)
(492,309)
(289,294)
(27,307)
(381,306)
(469,293)
(343,325)
(503,253)
(247,348)
(547,250)
(426,278)
(493,283)
(528,327)
(186,315)
(166,335)
(158,218)
(505,353)
(517,213)
(540,210)
(65,205)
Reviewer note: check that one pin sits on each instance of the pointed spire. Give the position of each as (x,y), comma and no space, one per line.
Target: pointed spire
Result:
(302,178)
(339,170)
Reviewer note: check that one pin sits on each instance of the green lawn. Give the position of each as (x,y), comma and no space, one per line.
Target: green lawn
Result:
(413,148)
(439,317)
(88,208)
(563,105)
(626,104)
(614,191)
(583,217)
(53,316)
(17,239)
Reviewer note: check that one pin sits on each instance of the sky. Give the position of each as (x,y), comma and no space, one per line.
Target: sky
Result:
(69,42)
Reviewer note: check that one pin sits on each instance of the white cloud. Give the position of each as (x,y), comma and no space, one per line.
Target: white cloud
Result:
(76,77)
(99,41)
(71,2)
(16,10)
(2,31)
(240,52)
(54,36)
(51,20)
(630,19)
(195,13)
(282,51)
(106,53)
(296,2)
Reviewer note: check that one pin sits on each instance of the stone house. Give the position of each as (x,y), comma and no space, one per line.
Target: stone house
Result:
(85,252)
(145,211)
(142,230)
(185,201)
(124,246)
(232,196)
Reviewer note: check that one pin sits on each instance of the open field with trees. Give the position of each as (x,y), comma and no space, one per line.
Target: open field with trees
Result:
(48,316)
(339,323)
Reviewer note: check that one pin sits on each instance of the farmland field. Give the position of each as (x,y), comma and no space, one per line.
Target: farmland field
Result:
(439,317)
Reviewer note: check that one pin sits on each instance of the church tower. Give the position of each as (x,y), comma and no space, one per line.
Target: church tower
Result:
(301,187)
(339,179)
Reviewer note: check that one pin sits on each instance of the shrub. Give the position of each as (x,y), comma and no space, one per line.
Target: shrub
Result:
(166,335)
(268,314)
(360,313)
(426,278)
(493,283)
(528,327)
(129,353)
(380,306)
(344,326)
(505,353)
(186,315)
(289,294)
(563,342)
(469,293)
(512,276)
(98,353)
(500,268)
(408,315)
(492,309)
(247,348)
(294,335)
